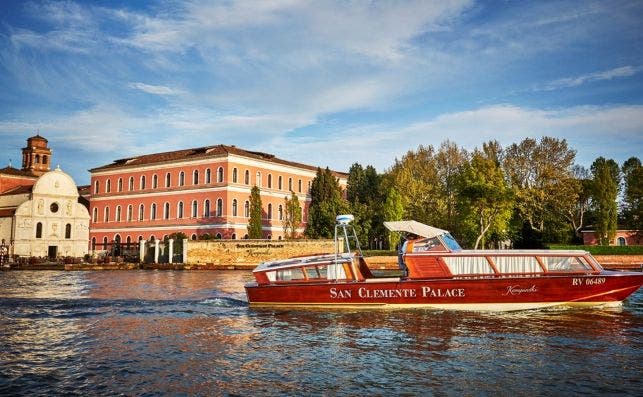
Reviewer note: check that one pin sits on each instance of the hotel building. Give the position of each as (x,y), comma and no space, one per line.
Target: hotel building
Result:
(196,191)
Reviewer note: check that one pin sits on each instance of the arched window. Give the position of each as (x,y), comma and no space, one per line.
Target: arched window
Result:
(108,186)
(218,236)
(141,212)
(234,175)
(155,181)
(130,213)
(142,182)
(179,210)
(220,174)
(153,212)
(195,177)
(120,184)
(269,211)
(105,243)
(96,187)
(195,209)
(234,236)
(93,243)
(280,183)
(106,215)
(39,230)
(299,186)
(246,178)
(208,176)
(118,213)
(44,159)
(281,212)
(246,209)
(95,215)
(130,185)
(168,179)
(621,241)
(290,184)
(37,159)
(128,240)
(234,207)
(181,178)
(193,237)
(206,208)
(219,207)
(269,181)
(166,210)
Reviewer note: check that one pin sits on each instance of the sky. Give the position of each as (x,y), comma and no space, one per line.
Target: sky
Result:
(326,83)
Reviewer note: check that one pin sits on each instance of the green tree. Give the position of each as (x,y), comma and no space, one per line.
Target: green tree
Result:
(326,203)
(632,207)
(292,215)
(254,224)
(393,210)
(606,182)
(485,198)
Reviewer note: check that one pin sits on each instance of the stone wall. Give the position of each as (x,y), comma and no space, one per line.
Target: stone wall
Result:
(252,252)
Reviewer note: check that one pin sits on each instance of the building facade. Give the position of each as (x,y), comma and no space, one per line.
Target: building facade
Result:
(201,191)
(622,237)
(40,215)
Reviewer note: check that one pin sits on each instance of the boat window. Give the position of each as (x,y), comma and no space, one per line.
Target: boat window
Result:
(468,265)
(450,242)
(336,271)
(564,264)
(289,274)
(428,245)
(517,264)
(316,272)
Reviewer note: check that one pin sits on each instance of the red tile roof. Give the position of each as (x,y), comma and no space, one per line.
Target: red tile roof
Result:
(17,190)
(17,172)
(198,153)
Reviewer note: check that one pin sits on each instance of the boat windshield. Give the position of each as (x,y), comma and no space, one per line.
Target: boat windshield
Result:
(450,242)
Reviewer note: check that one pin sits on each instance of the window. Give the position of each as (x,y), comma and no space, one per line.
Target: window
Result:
(39,230)
(234,175)
(96,187)
(220,175)
(118,213)
(269,181)
(218,236)
(269,211)
(194,209)
(208,178)
(179,210)
(37,158)
(219,207)
(68,231)
(193,237)
(106,215)
(120,184)
(141,212)
(621,241)
(206,209)
(195,177)
(246,209)
(142,182)
(234,207)
(93,243)
(281,212)
(44,159)
(565,264)
(468,265)
(181,178)
(234,236)
(516,264)
(153,212)
(246,178)
(95,215)
(105,243)
(130,185)
(168,179)
(128,240)
(166,210)
(299,186)
(290,184)
(108,186)
(155,181)
(279,182)
(130,213)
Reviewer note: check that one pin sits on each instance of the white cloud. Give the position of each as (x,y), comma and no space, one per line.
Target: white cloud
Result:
(567,82)
(153,89)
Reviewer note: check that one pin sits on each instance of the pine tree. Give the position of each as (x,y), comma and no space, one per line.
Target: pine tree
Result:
(254,224)
(326,203)
(606,181)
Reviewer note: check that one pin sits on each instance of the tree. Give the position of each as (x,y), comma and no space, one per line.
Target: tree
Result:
(580,188)
(326,203)
(606,181)
(485,199)
(292,215)
(393,210)
(632,207)
(254,224)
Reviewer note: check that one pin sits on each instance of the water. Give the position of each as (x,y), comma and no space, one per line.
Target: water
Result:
(192,333)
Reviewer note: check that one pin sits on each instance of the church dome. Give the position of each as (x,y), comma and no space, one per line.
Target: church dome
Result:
(57,183)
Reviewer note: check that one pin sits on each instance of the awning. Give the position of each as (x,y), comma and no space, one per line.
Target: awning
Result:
(414,227)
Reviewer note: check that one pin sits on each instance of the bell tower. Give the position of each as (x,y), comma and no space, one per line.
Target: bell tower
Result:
(36,157)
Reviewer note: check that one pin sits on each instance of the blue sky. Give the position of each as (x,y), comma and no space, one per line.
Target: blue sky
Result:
(321,82)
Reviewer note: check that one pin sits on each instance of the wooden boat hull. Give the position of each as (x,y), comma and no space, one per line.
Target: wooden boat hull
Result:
(481,294)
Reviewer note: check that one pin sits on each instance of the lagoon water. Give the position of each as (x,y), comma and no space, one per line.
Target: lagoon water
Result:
(192,333)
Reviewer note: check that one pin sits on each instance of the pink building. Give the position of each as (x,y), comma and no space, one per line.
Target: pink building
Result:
(623,237)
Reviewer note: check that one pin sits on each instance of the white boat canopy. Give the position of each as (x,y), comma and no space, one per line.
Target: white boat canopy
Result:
(414,227)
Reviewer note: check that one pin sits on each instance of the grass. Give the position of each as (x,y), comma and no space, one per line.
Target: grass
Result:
(602,249)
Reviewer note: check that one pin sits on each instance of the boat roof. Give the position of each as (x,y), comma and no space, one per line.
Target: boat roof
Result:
(303,261)
(415,227)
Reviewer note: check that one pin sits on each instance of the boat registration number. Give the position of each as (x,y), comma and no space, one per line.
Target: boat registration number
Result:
(588,281)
